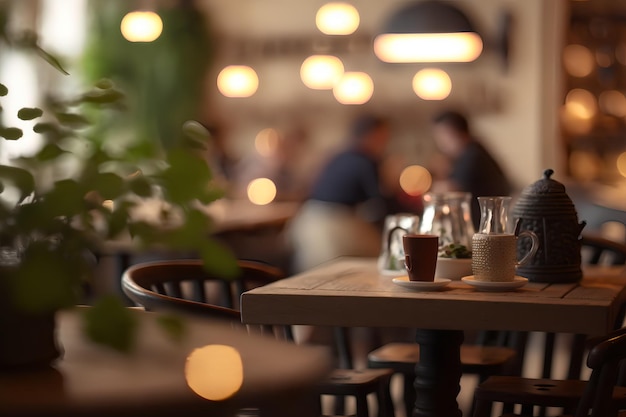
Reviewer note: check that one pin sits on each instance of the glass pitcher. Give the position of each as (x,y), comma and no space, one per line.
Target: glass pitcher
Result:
(448,215)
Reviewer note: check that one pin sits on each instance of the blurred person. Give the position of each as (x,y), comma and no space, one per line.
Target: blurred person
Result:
(347,203)
(471,168)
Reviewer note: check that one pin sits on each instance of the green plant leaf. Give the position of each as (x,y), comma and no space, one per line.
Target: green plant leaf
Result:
(45,128)
(108,185)
(50,152)
(11,133)
(3,90)
(117,222)
(99,96)
(187,176)
(50,59)
(29,113)
(74,120)
(20,178)
(109,323)
(140,186)
(45,279)
(218,259)
(65,199)
(173,326)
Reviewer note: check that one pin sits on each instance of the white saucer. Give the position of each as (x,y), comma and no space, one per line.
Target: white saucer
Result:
(435,285)
(495,286)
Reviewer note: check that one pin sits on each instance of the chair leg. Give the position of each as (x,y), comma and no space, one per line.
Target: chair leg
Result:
(409,394)
(482,408)
(362,410)
(339,405)
(385,401)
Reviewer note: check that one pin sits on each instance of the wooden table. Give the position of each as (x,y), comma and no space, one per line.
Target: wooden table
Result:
(94,381)
(350,292)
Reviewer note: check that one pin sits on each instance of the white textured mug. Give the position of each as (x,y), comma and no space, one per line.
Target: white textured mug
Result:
(494,256)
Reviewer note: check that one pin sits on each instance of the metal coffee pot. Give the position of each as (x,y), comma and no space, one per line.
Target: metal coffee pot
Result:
(545,209)
(391,259)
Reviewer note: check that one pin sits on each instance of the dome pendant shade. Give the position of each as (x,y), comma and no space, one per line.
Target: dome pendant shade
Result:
(428,31)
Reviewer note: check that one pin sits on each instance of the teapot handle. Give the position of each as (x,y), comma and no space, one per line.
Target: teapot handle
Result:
(391,233)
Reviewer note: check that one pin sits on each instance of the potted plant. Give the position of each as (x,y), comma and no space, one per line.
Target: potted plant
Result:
(60,205)
(454,261)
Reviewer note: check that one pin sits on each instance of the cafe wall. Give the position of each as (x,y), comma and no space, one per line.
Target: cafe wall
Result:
(512,104)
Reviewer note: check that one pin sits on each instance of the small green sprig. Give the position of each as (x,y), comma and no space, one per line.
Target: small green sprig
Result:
(455,251)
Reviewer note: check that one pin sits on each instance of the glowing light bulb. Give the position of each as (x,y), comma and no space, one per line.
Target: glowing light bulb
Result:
(337,19)
(428,47)
(141,26)
(432,84)
(581,104)
(237,81)
(354,88)
(578,60)
(321,72)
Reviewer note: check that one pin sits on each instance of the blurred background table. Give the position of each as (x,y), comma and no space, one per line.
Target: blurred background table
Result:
(91,380)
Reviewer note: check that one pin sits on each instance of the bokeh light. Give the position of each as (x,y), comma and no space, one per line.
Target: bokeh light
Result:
(415,180)
(581,103)
(337,18)
(141,26)
(261,191)
(237,81)
(214,372)
(354,88)
(578,60)
(584,165)
(573,124)
(432,84)
(321,72)
(621,164)
(266,142)
(428,47)
(604,59)
(613,102)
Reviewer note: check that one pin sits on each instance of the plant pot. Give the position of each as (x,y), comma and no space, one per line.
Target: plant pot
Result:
(27,340)
(453,268)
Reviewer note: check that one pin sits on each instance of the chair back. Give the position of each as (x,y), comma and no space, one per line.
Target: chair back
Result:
(185,286)
(597,250)
(604,360)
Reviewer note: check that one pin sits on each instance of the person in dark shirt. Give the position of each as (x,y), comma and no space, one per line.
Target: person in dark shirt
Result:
(346,202)
(473,169)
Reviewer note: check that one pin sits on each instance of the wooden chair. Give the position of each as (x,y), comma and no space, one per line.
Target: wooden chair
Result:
(599,395)
(181,286)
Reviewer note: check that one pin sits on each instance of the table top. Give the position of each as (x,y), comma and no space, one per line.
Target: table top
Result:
(351,292)
(156,379)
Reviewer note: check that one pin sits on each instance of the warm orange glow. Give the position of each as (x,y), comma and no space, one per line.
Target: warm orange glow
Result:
(237,81)
(337,18)
(575,124)
(415,180)
(261,191)
(585,166)
(266,142)
(141,26)
(354,88)
(428,47)
(321,72)
(578,60)
(581,103)
(432,84)
(621,164)
(108,204)
(214,372)
(613,102)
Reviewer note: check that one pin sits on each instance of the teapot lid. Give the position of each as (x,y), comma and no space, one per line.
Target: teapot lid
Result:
(545,197)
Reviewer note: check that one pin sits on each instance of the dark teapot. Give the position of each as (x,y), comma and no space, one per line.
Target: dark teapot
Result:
(545,209)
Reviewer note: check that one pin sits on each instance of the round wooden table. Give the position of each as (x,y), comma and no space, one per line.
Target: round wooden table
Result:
(155,379)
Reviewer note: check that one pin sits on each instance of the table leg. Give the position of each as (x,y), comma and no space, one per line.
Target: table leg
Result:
(438,373)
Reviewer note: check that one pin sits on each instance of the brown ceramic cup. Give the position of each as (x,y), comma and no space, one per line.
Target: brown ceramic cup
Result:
(420,256)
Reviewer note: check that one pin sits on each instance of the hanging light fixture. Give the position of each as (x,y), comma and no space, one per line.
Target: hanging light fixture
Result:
(428,31)
(141,26)
(237,81)
(337,18)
